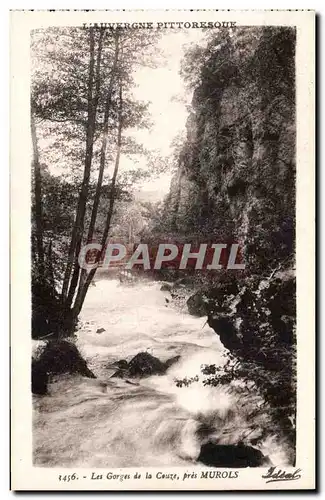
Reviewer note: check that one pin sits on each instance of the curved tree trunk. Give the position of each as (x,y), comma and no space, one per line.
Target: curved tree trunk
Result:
(83,289)
(93,95)
(75,277)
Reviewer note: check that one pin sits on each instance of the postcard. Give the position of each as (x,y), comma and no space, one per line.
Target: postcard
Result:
(162,250)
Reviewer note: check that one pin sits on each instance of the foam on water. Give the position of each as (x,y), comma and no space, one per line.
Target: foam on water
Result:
(149,422)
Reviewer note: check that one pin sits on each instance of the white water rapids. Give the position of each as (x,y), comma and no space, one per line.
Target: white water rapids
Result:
(149,422)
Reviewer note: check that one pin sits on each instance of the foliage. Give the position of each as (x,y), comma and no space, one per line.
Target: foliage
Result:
(83,110)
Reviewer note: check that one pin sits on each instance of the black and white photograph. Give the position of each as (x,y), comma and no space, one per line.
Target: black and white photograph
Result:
(163,334)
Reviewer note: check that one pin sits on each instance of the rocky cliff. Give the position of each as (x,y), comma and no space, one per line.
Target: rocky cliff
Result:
(236,172)
(236,180)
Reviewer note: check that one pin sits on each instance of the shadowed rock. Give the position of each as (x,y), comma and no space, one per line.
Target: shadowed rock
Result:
(240,455)
(39,379)
(166,287)
(143,365)
(58,357)
(196,305)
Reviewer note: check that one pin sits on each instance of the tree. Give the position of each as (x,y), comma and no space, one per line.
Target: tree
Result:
(82,99)
(84,285)
(93,97)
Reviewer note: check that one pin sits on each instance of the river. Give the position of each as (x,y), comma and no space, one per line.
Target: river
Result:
(141,422)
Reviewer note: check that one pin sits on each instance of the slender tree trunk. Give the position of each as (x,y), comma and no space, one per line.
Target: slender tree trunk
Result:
(75,276)
(38,202)
(50,267)
(74,280)
(104,144)
(83,291)
(91,122)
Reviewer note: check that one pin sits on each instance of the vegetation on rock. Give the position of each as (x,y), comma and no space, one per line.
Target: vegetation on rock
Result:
(235,181)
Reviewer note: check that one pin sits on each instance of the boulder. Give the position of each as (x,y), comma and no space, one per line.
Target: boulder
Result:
(255,320)
(239,455)
(185,281)
(165,287)
(100,330)
(197,305)
(265,306)
(122,363)
(143,365)
(58,357)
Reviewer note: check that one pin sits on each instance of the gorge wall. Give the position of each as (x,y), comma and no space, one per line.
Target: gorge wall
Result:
(236,181)
(236,172)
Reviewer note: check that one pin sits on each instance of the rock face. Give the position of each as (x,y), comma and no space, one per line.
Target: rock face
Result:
(256,320)
(258,317)
(217,455)
(58,357)
(143,365)
(236,173)
(235,182)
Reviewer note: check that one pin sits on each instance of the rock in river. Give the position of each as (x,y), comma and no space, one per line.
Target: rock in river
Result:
(57,357)
(239,455)
(143,365)
(197,305)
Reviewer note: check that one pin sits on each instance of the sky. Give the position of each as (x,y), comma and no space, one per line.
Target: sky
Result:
(160,86)
(165,90)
